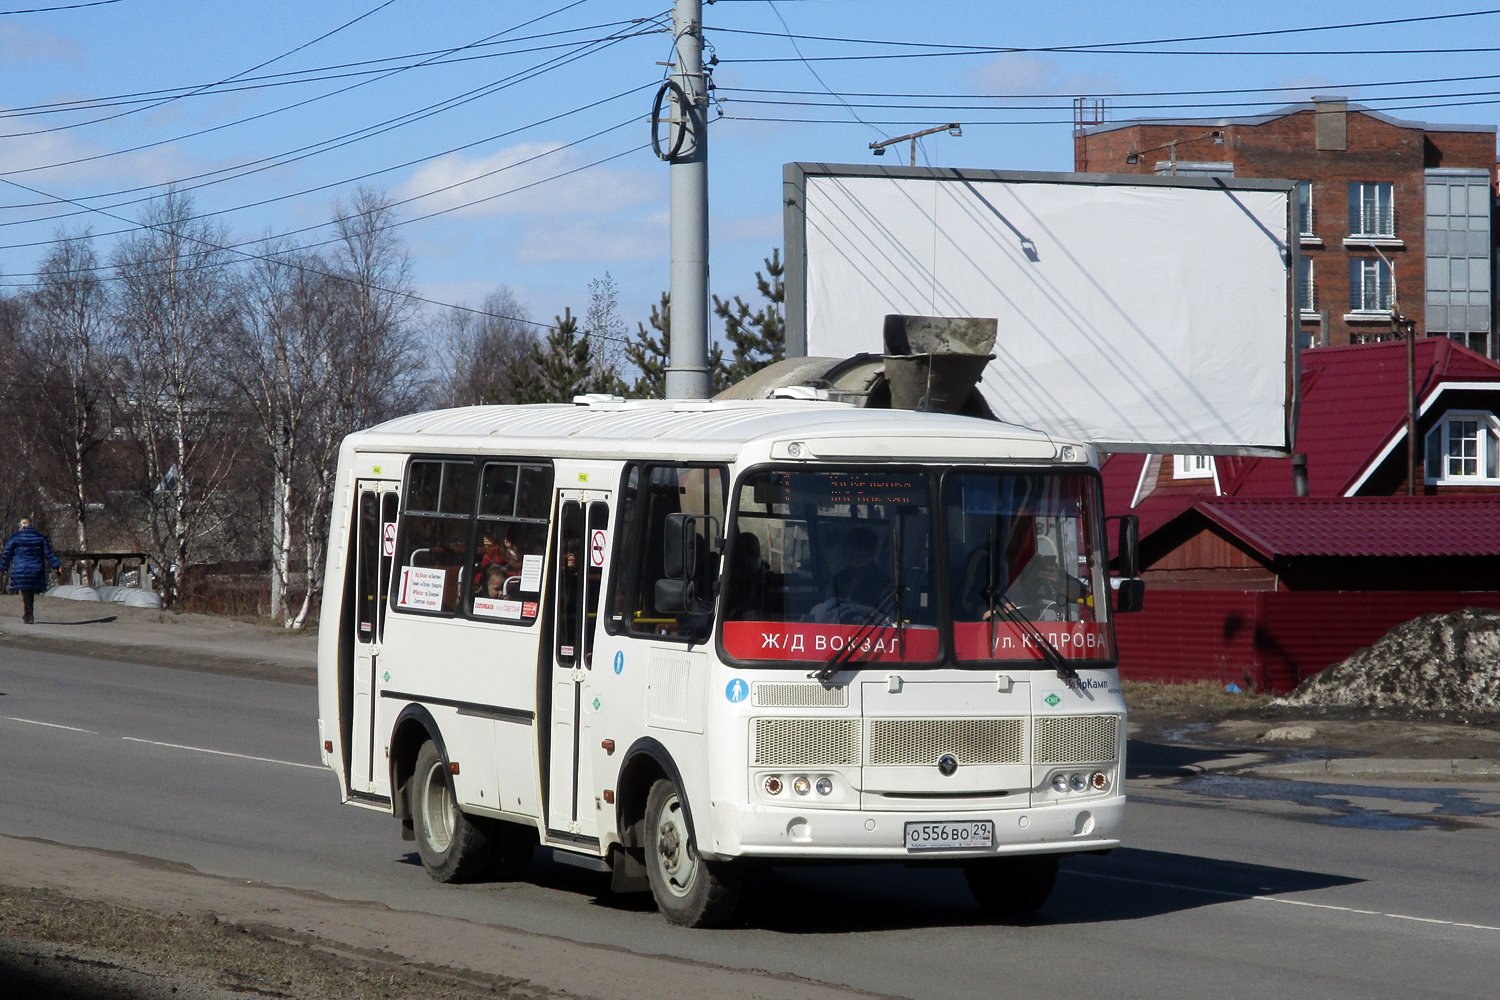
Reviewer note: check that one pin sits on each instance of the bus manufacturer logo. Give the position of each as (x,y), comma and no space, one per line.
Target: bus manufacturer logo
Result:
(1052,699)
(947,764)
(737,691)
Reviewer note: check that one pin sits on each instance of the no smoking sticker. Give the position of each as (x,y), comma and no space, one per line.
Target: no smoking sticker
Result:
(388,539)
(596,547)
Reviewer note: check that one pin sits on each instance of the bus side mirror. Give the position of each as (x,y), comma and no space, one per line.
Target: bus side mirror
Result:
(1130,546)
(1130,595)
(679,548)
(671,596)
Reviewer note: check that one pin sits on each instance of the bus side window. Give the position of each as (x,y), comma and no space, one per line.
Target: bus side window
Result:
(434,537)
(510,544)
(620,573)
(697,492)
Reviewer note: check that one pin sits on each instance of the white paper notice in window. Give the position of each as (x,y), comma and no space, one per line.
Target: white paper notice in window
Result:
(422,588)
(531,574)
(497,608)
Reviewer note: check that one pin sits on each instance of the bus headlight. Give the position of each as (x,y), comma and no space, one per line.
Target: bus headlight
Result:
(1059,782)
(825,786)
(801,786)
(1079,782)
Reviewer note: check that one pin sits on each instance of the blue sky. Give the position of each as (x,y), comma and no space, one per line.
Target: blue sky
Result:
(550,237)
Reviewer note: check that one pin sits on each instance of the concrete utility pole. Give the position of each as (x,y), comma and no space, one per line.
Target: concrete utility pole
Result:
(688,375)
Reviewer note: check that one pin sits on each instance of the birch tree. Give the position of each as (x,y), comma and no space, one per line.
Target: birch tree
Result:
(68,355)
(174,312)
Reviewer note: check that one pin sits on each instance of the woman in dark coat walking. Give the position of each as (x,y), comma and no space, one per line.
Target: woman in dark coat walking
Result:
(27,555)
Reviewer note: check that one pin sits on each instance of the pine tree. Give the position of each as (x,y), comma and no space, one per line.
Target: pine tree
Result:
(758,337)
(561,366)
(650,356)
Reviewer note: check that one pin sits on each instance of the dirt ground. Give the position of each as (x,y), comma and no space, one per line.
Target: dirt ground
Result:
(54,947)
(1207,715)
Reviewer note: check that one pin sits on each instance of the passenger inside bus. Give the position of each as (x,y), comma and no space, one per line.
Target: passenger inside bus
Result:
(749,579)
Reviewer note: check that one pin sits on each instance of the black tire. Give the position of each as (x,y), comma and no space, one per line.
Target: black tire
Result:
(511,848)
(453,847)
(689,890)
(1012,887)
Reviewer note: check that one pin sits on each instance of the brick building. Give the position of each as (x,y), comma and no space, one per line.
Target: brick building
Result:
(1421,194)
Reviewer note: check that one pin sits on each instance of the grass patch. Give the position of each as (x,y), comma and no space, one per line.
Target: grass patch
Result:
(1147,700)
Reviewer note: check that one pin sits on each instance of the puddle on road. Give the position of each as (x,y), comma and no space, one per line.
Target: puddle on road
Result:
(1346,805)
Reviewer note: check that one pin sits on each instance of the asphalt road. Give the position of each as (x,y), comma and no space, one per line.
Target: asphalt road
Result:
(1230,886)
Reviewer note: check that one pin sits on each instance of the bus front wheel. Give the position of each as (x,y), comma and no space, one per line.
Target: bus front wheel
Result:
(1012,887)
(689,890)
(453,847)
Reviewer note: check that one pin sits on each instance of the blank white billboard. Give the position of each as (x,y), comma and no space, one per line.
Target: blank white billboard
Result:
(1140,314)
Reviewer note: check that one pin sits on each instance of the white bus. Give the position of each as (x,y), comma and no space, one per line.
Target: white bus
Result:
(674,640)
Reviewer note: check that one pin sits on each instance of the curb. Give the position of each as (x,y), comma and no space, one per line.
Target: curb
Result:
(1465,768)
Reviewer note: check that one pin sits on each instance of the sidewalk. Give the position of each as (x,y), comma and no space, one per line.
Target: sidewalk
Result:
(161,638)
(388,937)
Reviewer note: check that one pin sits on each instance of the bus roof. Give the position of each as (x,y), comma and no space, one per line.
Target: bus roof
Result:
(705,430)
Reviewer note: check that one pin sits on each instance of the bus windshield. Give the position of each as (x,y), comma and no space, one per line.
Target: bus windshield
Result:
(820,561)
(1024,557)
(845,564)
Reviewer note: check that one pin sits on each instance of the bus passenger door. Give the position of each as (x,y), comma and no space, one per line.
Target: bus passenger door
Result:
(582,541)
(374,551)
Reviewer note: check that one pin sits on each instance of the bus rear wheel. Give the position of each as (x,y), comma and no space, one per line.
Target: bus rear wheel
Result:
(689,890)
(1012,887)
(453,847)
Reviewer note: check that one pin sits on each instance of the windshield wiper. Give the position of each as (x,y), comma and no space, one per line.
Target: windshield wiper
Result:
(866,626)
(1049,652)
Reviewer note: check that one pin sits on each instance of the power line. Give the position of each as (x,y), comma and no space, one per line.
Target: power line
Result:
(326,145)
(292,78)
(1096,46)
(988,51)
(260,65)
(1332,88)
(787,31)
(66,6)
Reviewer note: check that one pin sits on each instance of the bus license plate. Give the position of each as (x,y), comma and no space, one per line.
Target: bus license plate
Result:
(948,836)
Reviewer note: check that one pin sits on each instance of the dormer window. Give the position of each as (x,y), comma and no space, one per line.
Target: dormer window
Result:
(1463,448)
(1192,467)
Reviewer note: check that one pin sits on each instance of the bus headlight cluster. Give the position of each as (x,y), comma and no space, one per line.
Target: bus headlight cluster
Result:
(1079,781)
(802,784)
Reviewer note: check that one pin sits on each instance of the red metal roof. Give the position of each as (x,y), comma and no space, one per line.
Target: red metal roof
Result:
(1361,526)
(1353,402)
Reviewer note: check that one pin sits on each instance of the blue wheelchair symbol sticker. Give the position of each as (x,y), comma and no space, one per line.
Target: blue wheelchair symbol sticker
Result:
(619,661)
(737,691)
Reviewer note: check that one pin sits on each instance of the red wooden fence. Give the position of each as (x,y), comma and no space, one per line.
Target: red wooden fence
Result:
(1267,640)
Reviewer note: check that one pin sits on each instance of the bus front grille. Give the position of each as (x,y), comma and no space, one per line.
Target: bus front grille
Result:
(1076,739)
(806,742)
(969,741)
(793,695)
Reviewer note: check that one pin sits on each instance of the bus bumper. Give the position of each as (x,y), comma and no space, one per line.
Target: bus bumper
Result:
(743,830)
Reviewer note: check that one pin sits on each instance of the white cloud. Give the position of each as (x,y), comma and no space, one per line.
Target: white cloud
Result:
(459,180)
(1028,73)
(19,44)
(752,228)
(595,240)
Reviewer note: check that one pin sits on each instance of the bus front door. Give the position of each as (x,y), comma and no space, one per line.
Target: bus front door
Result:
(374,551)
(582,541)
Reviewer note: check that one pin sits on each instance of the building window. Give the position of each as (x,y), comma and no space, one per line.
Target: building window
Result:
(1370,209)
(1305,299)
(1192,467)
(1369,285)
(1463,448)
(1304,208)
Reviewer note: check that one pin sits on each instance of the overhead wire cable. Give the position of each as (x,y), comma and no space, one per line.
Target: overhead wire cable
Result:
(260,65)
(297,154)
(237,248)
(1096,46)
(66,6)
(816,76)
(291,77)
